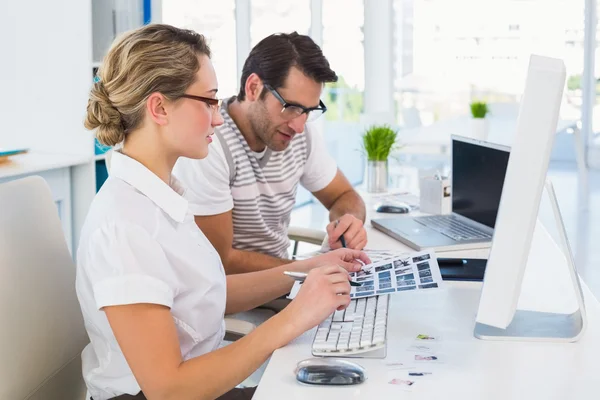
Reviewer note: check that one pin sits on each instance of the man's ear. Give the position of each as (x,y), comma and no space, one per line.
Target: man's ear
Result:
(254,87)
(155,105)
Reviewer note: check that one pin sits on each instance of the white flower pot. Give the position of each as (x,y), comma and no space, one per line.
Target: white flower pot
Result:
(479,128)
(377,176)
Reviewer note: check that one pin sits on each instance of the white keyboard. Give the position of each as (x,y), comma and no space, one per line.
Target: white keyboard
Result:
(358,331)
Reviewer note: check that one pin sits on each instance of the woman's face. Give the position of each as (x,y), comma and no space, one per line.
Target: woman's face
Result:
(192,122)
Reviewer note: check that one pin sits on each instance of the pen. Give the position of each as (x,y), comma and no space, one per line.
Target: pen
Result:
(341,236)
(301,276)
(451,261)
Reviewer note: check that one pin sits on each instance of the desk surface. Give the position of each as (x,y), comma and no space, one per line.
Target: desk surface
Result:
(34,162)
(473,369)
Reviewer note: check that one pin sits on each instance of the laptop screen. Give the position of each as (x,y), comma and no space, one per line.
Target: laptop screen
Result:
(478,170)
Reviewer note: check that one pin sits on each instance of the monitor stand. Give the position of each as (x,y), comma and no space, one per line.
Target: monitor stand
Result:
(543,326)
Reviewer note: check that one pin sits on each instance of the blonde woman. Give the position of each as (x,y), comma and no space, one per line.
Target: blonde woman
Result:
(151,286)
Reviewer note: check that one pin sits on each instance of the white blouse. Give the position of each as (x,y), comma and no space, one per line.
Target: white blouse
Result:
(140,244)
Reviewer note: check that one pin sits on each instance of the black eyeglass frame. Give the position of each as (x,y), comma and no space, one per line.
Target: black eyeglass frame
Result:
(305,110)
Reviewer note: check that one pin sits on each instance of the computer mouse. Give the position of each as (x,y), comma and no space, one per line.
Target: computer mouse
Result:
(330,371)
(393,209)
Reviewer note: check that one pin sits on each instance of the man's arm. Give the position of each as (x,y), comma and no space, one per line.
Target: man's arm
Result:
(346,211)
(219,230)
(340,198)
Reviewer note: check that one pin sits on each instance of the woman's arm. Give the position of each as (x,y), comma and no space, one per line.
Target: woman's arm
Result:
(147,336)
(250,290)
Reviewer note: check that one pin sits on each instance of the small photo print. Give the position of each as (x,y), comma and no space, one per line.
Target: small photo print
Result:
(425,273)
(402,382)
(384,275)
(386,280)
(364,278)
(361,273)
(365,283)
(427,280)
(364,288)
(419,374)
(426,358)
(405,288)
(428,286)
(384,267)
(423,266)
(384,291)
(427,338)
(398,365)
(401,282)
(405,277)
(403,270)
(364,294)
(424,257)
(402,263)
(420,348)
(385,284)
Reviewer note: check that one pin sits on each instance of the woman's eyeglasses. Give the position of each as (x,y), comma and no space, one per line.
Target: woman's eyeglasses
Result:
(292,110)
(214,104)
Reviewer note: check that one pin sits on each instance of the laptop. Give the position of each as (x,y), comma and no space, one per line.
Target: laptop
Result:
(478,171)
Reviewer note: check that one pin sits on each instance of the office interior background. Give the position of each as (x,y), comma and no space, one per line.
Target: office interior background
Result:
(413,64)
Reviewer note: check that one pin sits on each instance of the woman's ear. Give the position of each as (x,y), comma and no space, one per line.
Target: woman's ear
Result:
(157,110)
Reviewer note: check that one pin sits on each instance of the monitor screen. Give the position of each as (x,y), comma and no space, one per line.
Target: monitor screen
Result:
(478,171)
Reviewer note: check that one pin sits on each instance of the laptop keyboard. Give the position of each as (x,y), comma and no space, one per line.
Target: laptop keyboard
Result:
(452,227)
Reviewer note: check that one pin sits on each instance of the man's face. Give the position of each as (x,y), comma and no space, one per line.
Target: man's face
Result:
(266,119)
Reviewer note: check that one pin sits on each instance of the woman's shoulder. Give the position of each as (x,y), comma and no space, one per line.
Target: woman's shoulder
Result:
(118,204)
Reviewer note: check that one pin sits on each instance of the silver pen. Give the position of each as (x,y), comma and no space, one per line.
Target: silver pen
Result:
(301,276)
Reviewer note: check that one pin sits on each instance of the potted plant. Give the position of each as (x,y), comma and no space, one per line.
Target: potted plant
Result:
(378,141)
(479,122)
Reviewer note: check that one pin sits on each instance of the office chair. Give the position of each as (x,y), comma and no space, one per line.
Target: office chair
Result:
(42,333)
(306,235)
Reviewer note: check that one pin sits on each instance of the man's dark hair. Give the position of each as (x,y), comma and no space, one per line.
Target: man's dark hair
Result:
(272,58)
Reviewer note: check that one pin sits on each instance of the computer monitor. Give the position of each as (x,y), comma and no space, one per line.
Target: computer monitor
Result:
(478,172)
(521,195)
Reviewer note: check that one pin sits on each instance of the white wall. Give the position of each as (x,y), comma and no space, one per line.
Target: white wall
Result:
(45,75)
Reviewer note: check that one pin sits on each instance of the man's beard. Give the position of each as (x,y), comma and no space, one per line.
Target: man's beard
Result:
(262,128)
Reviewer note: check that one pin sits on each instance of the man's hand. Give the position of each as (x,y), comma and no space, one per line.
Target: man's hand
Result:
(355,235)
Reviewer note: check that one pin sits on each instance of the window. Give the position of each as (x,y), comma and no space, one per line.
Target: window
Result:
(448,57)
(216,21)
(594,140)
(343,47)
(286,16)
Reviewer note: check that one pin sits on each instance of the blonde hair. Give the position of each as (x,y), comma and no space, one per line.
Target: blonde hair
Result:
(154,58)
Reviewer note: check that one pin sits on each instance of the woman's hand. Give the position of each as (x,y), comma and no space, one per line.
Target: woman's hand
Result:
(325,290)
(345,258)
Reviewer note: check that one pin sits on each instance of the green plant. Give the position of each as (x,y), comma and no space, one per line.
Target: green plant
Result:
(479,109)
(378,141)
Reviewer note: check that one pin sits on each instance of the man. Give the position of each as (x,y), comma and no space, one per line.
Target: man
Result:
(243,193)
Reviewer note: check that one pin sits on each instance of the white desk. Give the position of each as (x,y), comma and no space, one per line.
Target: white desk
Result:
(473,369)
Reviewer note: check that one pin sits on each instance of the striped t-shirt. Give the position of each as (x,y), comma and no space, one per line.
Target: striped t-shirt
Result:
(261,190)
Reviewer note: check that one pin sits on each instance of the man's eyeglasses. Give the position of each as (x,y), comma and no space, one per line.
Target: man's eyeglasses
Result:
(292,110)
(214,104)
